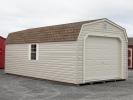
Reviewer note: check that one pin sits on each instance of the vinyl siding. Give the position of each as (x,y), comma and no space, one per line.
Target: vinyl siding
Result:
(98,29)
(57,61)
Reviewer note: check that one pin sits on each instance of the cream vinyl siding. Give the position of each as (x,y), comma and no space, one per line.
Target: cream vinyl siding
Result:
(56,61)
(97,29)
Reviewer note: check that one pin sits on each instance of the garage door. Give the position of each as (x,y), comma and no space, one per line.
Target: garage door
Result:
(102,58)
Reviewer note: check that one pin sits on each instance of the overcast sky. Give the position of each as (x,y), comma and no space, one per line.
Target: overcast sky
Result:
(17,15)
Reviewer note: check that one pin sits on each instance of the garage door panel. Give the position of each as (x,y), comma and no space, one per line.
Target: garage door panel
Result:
(99,53)
(102,58)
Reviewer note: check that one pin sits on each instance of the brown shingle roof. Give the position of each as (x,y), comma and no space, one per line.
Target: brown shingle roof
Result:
(56,33)
(130,41)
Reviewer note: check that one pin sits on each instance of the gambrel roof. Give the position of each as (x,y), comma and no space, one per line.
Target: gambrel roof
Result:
(56,33)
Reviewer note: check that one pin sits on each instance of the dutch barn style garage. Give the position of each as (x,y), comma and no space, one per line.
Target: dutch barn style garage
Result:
(76,53)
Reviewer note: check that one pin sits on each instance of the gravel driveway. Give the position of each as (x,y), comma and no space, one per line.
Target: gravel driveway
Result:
(14,87)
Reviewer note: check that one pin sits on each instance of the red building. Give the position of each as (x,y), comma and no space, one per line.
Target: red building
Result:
(130,53)
(2,52)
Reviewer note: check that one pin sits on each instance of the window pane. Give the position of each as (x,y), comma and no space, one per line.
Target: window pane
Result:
(33,46)
(33,56)
(33,52)
(33,49)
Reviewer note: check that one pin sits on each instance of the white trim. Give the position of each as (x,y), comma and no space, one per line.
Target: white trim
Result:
(29,51)
(37,51)
(110,22)
(100,35)
(106,20)
(114,24)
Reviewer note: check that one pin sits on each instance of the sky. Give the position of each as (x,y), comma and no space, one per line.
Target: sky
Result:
(16,15)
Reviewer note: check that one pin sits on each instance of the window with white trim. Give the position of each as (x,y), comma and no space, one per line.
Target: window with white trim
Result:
(33,52)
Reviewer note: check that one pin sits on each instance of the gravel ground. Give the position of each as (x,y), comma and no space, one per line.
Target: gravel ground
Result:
(14,87)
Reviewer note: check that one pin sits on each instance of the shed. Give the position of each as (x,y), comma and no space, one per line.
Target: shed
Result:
(79,52)
(130,53)
(2,52)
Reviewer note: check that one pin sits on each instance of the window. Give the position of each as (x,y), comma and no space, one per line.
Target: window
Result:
(33,52)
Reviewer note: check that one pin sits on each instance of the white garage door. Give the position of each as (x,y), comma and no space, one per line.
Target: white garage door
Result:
(102,59)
